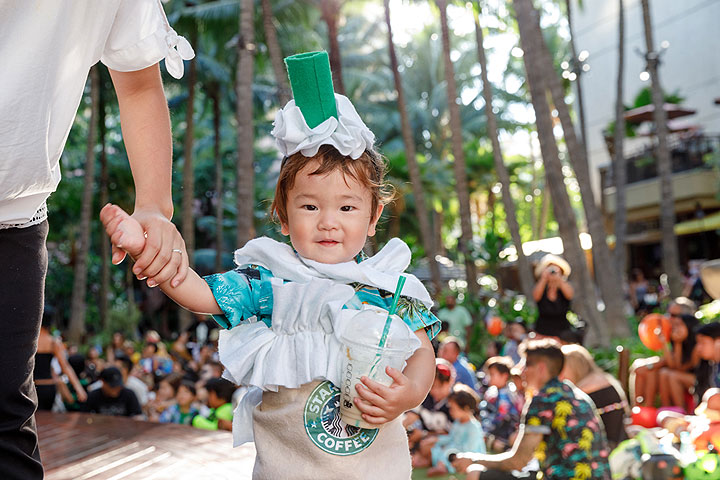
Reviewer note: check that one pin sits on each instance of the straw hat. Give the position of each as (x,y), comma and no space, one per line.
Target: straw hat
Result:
(551,259)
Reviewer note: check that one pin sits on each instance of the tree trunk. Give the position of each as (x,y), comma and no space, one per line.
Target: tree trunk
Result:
(544,212)
(671,258)
(79,294)
(214,93)
(564,214)
(275,53)
(608,278)
(578,81)
(526,279)
(330,10)
(245,135)
(412,164)
(619,164)
(188,195)
(533,187)
(461,184)
(105,251)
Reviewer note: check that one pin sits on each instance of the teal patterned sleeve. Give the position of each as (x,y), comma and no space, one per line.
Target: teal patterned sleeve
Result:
(417,316)
(241,294)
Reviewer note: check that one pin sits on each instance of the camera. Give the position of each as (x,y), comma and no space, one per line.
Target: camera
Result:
(553,271)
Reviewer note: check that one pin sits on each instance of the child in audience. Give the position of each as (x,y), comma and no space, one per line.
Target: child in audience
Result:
(466,433)
(219,414)
(432,417)
(500,415)
(183,410)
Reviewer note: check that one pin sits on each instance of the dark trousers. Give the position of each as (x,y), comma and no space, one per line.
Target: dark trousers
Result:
(23,265)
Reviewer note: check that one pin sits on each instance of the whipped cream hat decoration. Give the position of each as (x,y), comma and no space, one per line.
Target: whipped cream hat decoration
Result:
(317,115)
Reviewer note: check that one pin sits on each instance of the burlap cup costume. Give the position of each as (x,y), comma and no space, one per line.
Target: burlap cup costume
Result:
(285,316)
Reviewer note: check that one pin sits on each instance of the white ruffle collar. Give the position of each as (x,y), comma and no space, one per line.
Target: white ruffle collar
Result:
(382,270)
(347,133)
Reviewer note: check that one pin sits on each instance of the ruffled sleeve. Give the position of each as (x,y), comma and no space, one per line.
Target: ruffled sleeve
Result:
(242,294)
(141,36)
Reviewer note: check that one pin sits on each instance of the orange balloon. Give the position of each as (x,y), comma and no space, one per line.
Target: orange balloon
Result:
(651,327)
(495,326)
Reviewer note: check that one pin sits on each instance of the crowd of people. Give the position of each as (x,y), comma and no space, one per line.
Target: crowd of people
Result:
(176,381)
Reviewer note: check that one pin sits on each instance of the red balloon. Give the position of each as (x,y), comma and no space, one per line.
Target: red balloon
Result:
(644,416)
(650,329)
(495,326)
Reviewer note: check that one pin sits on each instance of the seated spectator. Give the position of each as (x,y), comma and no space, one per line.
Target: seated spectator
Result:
(139,388)
(164,396)
(708,348)
(499,412)
(183,410)
(560,427)
(457,317)
(113,398)
(450,349)
(639,289)
(602,388)
(677,377)
(516,333)
(219,413)
(432,417)
(466,433)
(645,372)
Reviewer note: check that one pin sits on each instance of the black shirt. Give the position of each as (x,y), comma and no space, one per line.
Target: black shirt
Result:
(552,315)
(126,404)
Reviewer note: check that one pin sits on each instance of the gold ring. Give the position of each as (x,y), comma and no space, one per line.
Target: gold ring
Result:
(177,250)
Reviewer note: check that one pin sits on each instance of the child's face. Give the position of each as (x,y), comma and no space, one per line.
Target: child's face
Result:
(184,396)
(497,379)
(329,216)
(705,347)
(165,391)
(456,412)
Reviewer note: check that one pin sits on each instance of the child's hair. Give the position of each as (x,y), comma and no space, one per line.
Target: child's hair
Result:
(579,360)
(711,330)
(464,398)
(173,379)
(444,371)
(501,364)
(368,170)
(222,388)
(190,386)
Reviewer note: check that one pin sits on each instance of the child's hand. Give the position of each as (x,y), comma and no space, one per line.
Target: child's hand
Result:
(381,404)
(124,232)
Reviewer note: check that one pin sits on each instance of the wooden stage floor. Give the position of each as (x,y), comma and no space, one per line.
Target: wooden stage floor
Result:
(80,446)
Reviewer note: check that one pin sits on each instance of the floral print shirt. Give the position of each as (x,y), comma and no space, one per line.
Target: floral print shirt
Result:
(574,446)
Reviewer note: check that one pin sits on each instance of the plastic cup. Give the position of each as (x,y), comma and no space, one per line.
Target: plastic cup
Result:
(358,361)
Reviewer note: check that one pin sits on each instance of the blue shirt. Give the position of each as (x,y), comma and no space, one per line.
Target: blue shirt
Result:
(464,373)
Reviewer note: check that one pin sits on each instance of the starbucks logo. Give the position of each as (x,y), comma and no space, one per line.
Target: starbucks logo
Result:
(325,428)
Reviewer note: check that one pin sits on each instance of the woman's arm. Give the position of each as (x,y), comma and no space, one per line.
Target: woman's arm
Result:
(540,287)
(567,290)
(59,352)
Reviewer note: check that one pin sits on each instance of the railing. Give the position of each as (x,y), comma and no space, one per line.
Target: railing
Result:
(687,153)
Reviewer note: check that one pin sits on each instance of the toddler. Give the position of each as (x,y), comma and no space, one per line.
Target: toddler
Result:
(285,307)
(466,433)
(500,415)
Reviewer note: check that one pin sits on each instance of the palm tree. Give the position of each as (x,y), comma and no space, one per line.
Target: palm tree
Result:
(564,214)
(526,280)
(79,303)
(330,10)
(608,278)
(671,258)
(275,53)
(459,168)
(413,167)
(578,72)
(619,167)
(188,196)
(245,166)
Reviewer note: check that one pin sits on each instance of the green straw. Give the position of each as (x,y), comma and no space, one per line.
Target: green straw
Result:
(388,321)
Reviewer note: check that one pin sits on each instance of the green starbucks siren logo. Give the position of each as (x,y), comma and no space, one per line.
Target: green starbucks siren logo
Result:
(325,428)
